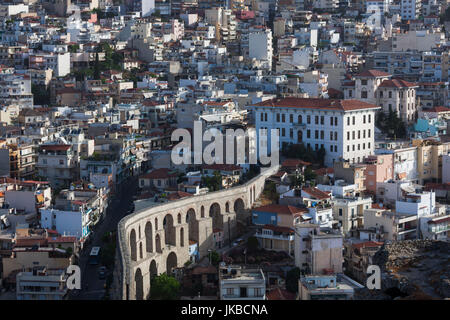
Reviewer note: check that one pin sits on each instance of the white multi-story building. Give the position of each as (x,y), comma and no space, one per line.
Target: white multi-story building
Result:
(260,46)
(410,9)
(41,285)
(58,62)
(16,89)
(345,128)
(236,283)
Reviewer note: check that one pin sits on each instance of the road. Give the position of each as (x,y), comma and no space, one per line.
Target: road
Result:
(92,288)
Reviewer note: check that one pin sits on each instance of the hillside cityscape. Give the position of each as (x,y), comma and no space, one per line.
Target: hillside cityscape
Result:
(233,150)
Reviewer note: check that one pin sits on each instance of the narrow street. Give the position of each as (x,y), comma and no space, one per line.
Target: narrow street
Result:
(93,288)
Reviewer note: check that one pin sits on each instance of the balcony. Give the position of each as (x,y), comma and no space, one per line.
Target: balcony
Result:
(275,237)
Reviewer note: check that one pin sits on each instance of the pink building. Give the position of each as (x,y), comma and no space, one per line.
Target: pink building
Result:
(380,168)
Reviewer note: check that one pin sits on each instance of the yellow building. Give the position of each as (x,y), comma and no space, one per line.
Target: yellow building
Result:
(429,159)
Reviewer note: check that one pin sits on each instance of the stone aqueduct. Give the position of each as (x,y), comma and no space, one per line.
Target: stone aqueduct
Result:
(154,240)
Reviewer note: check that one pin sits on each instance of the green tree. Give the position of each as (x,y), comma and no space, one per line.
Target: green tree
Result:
(164,287)
(252,244)
(213,183)
(310,174)
(215,258)
(292,280)
(41,95)
(96,67)
(270,191)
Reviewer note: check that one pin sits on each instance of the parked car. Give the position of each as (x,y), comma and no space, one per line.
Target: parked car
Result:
(102,272)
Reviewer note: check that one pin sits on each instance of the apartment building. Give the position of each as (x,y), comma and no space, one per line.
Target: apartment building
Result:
(351,173)
(420,40)
(393,226)
(379,168)
(16,89)
(410,9)
(22,161)
(59,63)
(42,284)
(344,128)
(260,46)
(316,251)
(348,209)
(238,283)
(324,287)
(429,159)
(58,164)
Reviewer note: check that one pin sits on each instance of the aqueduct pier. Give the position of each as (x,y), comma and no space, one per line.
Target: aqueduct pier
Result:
(155,240)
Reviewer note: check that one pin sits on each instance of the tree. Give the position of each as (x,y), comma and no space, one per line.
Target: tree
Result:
(270,191)
(96,67)
(41,95)
(310,174)
(164,287)
(292,280)
(252,244)
(215,258)
(213,183)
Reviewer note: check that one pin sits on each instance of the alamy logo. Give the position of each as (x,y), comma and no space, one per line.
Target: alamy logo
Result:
(74,279)
(243,142)
(373,277)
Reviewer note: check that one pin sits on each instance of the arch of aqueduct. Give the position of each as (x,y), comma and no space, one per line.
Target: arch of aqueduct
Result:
(156,239)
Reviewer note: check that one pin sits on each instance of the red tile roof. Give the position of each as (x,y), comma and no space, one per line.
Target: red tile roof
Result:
(373,73)
(282,209)
(316,193)
(280,294)
(294,163)
(324,171)
(278,228)
(222,167)
(178,195)
(396,83)
(162,173)
(437,109)
(56,147)
(370,244)
(313,103)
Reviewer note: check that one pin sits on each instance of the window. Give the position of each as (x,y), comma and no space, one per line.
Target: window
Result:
(308,119)
(316,147)
(283,118)
(300,119)
(316,134)
(364,82)
(364,118)
(322,120)
(348,135)
(364,94)
(359,134)
(348,121)
(331,121)
(308,134)
(262,116)
(335,121)
(353,135)
(350,93)
(291,118)
(283,132)
(390,94)
(278,117)
(61,161)
(265,116)
(335,135)
(354,120)
(364,134)
(316,120)
(322,134)
(340,212)
(368,133)
(258,292)
(331,135)
(230,291)
(381,94)
(331,148)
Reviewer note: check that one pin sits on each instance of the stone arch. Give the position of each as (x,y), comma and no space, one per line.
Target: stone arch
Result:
(156,224)
(139,232)
(133,248)
(215,214)
(202,212)
(169,230)
(171,262)
(158,243)
(227,206)
(153,269)
(179,218)
(141,254)
(148,237)
(254,193)
(239,205)
(191,219)
(182,237)
(139,285)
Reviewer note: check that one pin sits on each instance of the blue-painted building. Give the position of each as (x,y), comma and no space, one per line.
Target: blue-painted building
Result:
(277,215)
